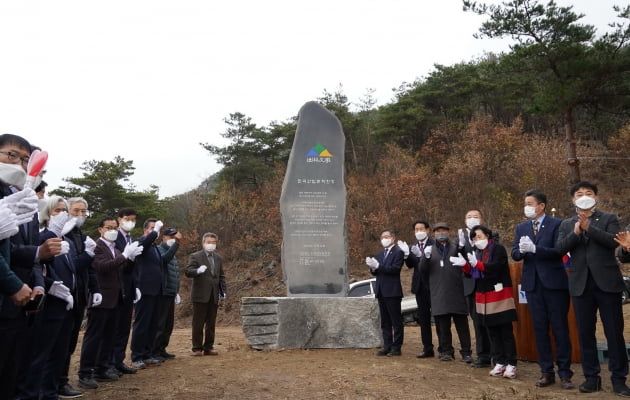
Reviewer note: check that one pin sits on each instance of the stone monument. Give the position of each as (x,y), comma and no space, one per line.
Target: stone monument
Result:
(315,313)
(313,207)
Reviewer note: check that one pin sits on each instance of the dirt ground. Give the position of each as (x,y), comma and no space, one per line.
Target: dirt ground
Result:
(239,372)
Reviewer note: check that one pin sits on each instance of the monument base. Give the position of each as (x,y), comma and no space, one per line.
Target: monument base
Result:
(311,322)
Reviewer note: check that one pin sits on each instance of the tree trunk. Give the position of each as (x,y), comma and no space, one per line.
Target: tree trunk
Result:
(572,160)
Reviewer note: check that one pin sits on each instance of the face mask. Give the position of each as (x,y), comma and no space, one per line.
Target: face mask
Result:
(128,226)
(585,202)
(421,236)
(80,220)
(530,212)
(170,242)
(481,244)
(472,222)
(441,237)
(12,174)
(210,247)
(110,235)
(386,242)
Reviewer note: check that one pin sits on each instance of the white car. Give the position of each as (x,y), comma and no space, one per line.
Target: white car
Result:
(365,288)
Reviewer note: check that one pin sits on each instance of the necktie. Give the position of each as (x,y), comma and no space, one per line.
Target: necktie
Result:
(128,238)
(535,227)
(386,254)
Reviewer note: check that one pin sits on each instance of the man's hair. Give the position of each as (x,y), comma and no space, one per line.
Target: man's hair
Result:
(146,223)
(421,221)
(101,223)
(207,235)
(475,209)
(51,204)
(391,231)
(538,195)
(73,200)
(583,184)
(126,211)
(42,185)
(16,140)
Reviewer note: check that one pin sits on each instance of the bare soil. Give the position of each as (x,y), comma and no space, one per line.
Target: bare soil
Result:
(239,372)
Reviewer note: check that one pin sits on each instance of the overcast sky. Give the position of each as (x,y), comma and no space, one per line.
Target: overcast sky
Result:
(150,79)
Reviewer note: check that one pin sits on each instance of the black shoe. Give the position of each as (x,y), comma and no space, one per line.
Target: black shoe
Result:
(106,376)
(382,352)
(591,385)
(546,379)
(116,371)
(88,383)
(621,389)
(566,384)
(159,358)
(125,369)
(395,353)
(68,392)
(167,355)
(426,354)
(467,359)
(446,357)
(481,363)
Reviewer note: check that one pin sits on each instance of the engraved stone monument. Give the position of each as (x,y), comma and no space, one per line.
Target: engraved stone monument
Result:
(313,207)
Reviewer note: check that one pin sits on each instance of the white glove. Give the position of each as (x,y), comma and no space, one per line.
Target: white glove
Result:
(67,227)
(56,223)
(65,248)
(24,204)
(178,299)
(158,226)
(59,290)
(138,296)
(472,259)
(8,222)
(372,263)
(90,246)
(70,300)
(427,251)
(415,249)
(201,269)
(525,245)
(132,250)
(404,247)
(462,237)
(97,299)
(458,261)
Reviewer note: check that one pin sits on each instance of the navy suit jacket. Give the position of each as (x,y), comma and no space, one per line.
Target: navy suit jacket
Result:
(59,268)
(388,273)
(592,252)
(147,273)
(546,263)
(129,289)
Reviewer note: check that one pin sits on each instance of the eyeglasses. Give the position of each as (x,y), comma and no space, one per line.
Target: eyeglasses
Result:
(14,157)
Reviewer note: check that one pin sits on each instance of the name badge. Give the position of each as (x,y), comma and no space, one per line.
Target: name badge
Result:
(442,263)
(498,287)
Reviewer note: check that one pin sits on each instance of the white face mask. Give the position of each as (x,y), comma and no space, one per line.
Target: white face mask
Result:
(421,235)
(210,247)
(585,202)
(530,211)
(12,174)
(170,242)
(481,244)
(80,220)
(386,242)
(128,226)
(472,222)
(110,235)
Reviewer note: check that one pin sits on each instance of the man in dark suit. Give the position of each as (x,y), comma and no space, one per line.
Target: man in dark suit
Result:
(124,310)
(420,286)
(205,267)
(473,218)
(386,267)
(595,283)
(544,280)
(148,282)
(98,340)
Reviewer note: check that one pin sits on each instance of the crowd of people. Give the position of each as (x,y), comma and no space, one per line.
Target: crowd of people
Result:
(51,273)
(575,259)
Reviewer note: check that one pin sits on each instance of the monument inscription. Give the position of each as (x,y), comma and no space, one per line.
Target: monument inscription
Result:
(313,207)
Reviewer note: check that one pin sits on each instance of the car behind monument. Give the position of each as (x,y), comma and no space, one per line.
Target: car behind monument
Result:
(365,288)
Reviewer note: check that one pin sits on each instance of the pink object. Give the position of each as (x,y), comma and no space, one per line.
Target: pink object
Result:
(36,164)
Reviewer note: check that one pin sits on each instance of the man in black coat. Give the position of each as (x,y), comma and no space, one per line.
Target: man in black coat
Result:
(595,283)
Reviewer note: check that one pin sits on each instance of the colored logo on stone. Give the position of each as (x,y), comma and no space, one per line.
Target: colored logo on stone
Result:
(318,151)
